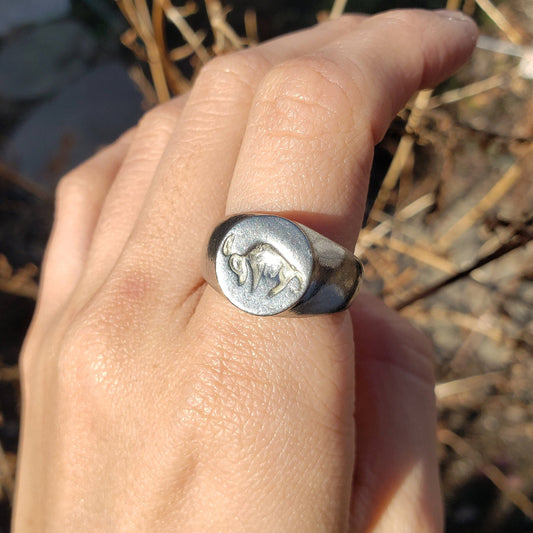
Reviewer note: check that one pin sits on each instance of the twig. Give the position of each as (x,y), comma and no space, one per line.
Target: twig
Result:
(518,240)
(497,17)
(367,237)
(469,7)
(175,79)
(186,31)
(462,448)
(130,39)
(185,50)
(23,183)
(404,149)
(421,254)
(250,26)
(137,14)
(487,202)
(7,481)
(386,271)
(337,9)
(453,4)
(398,283)
(221,29)
(463,320)
(473,89)
(138,77)
(416,206)
(494,135)
(9,373)
(20,283)
(465,385)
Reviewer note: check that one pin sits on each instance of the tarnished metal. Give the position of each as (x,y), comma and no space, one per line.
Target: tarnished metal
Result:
(269,265)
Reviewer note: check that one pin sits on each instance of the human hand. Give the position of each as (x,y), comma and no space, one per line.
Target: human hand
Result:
(150,402)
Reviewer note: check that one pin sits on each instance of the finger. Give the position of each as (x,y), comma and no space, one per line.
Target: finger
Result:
(189,191)
(126,195)
(307,149)
(79,198)
(396,469)
(306,152)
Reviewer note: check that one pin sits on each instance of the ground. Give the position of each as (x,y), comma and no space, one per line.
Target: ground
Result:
(448,241)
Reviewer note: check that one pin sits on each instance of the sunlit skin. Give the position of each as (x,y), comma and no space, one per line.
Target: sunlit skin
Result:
(150,403)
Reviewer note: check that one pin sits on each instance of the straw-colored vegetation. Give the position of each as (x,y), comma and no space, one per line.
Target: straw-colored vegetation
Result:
(448,240)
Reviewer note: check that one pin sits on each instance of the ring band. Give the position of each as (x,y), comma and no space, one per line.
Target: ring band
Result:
(269,265)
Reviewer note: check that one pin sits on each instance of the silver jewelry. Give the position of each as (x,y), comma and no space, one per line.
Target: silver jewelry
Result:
(269,265)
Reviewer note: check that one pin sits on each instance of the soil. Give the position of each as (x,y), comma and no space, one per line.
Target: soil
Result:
(480,323)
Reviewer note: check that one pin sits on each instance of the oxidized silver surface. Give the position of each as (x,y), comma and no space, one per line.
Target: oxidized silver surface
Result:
(269,265)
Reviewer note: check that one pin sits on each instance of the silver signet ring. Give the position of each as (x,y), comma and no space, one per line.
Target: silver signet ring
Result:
(269,265)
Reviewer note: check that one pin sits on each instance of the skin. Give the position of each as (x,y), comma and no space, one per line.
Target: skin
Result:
(150,402)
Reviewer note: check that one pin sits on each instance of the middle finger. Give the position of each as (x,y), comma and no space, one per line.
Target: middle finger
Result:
(188,191)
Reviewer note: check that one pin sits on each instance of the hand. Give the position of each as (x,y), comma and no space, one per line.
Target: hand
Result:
(150,402)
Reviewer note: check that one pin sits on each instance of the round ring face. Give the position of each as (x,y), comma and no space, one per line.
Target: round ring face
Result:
(263,264)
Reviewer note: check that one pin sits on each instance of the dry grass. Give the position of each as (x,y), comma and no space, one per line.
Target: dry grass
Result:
(447,242)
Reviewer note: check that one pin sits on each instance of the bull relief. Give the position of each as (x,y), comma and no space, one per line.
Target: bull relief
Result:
(262,260)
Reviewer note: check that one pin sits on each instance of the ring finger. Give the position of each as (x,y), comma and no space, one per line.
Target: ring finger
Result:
(190,185)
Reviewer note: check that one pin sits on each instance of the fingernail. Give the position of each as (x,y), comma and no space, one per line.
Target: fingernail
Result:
(453,16)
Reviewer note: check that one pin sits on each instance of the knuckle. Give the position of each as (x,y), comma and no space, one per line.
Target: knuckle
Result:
(228,73)
(72,192)
(81,361)
(403,19)
(95,359)
(71,186)
(86,361)
(159,119)
(349,20)
(311,90)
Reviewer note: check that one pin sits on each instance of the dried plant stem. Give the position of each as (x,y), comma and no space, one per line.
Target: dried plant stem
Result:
(465,385)
(463,449)
(380,263)
(337,9)
(465,321)
(173,14)
(155,60)
(469,7)
(138,76)
(19,283)
(7,482)
(416,206)
(130,40)
(422,255)
(518,240)
(9,373)
(26,290)
(23,183)
(504,184)
(405,147)
(137,14)
(221,29)
(367,237)
(453,4)
(402,280)
(473,89)
(497,17)
(250,25)
(175,79)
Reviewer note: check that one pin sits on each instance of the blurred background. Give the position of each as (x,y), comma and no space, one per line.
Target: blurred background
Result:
(449,223)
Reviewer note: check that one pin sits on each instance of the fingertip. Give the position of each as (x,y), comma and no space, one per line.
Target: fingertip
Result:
(453,36)
(461,24)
